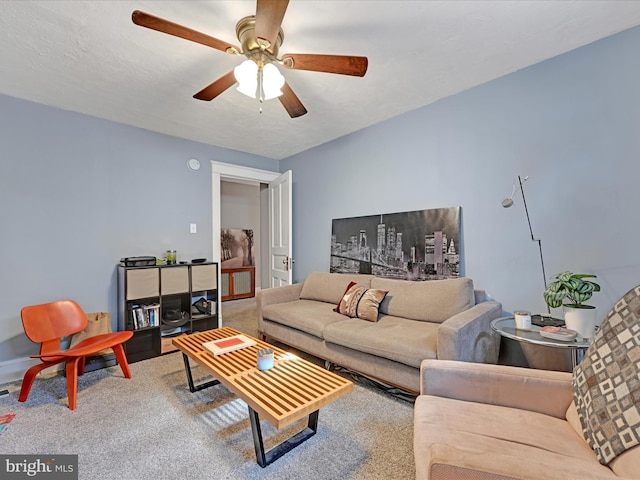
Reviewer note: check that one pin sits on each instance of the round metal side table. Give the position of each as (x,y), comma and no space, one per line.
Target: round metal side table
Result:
(506,327)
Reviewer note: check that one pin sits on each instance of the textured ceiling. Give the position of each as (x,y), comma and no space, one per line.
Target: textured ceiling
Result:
(88,57)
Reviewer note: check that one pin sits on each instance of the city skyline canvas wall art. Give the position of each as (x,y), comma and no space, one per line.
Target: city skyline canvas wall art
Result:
(399,245)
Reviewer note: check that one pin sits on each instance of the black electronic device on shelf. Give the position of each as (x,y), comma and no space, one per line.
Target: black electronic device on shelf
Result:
(546,321)
(138,261)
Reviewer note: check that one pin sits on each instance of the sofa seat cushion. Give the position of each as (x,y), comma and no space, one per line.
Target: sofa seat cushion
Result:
(462,436)
(398,339)
(308,316)
(429,301)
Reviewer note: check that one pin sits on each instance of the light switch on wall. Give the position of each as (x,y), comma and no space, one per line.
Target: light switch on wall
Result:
(193,228)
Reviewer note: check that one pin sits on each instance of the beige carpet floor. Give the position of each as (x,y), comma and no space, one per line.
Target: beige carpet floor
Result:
(152,428)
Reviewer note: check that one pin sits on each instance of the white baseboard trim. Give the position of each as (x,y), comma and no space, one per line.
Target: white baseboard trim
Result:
(12,370)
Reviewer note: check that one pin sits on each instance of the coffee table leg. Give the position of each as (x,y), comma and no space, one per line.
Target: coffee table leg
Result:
(192,387)
(267,458)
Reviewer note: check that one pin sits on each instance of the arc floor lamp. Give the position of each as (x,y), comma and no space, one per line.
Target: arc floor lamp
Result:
(508,202)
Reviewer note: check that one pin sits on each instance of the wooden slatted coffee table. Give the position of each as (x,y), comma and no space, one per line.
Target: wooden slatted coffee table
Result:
(293,389)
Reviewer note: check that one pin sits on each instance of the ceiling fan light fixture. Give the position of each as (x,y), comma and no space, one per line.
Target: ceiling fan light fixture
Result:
(247,76)
(260,37)
(272,81)
(264,83)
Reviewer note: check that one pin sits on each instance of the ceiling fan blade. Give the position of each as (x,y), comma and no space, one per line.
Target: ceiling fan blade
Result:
(340,64)
(165,26)
(216,88)
(291,102)
(269,15)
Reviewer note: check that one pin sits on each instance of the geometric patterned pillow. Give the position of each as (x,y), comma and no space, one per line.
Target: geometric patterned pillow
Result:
(361,302)
(606,384)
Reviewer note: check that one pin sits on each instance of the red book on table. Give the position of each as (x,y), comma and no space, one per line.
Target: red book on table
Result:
(229,344)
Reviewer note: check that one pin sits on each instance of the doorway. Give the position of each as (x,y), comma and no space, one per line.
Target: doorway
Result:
(265,179)
(242,250)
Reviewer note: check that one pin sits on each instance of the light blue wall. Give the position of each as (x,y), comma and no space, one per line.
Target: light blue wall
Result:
(572,124)
(78,193)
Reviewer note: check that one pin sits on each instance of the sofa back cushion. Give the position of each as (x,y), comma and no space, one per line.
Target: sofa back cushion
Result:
(429,301)
(330,287)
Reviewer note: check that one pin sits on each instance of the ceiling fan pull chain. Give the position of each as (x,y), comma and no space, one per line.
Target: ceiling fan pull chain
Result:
(260,89)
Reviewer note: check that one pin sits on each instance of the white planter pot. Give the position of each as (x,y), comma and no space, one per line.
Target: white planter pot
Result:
(583,319)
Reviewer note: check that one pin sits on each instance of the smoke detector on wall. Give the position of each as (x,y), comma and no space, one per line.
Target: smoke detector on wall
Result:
(193,164)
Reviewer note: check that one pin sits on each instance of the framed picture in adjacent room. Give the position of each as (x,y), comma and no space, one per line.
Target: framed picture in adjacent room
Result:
(237,248)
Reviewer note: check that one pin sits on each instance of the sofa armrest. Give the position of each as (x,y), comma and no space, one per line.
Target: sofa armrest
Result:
(270,296)
(543,391)
(468,336)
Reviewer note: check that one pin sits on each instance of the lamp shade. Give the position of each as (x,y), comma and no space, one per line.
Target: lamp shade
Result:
(255,82)
(272,81)
(507,202)
(247,76)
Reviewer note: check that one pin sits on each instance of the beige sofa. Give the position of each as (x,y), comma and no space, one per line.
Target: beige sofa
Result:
(444,319)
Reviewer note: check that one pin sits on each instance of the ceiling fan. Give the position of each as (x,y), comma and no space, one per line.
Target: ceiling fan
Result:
(260,38)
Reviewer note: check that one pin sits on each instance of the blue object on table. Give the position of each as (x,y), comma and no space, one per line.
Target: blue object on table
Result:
(265,359)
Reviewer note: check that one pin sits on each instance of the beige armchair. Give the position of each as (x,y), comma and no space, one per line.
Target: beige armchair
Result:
(493,422)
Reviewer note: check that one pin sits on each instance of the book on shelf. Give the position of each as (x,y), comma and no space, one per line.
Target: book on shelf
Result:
(143,316)
(140,317)
(152,314)
(135,317)
(229,344)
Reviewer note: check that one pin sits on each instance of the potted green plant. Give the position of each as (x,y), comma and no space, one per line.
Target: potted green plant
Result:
(577,289)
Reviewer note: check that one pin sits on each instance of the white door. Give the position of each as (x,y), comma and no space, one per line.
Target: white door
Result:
(280,244)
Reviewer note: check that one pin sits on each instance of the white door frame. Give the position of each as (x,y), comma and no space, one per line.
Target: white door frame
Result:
(220,171)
